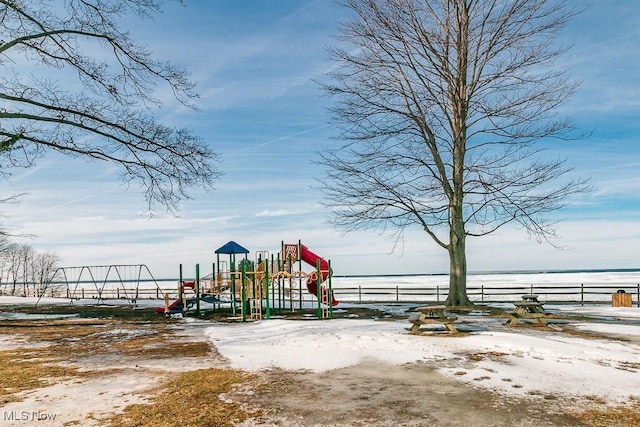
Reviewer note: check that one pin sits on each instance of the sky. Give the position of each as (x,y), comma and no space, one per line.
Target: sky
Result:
(257,64)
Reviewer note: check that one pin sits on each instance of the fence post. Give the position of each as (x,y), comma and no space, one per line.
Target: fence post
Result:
(482,292)
(437,293)
(359,293)
(638,294)
(531,289)
(397,293)
(581,293)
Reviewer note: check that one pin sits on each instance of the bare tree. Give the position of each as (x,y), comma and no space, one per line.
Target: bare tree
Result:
(4,262)
(21,264)
(26,255)
(44,266)
(73,81)
(441,104)
(16,257)
(12,255)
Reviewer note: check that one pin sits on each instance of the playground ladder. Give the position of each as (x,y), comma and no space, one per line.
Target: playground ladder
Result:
(255,308)
(324,301)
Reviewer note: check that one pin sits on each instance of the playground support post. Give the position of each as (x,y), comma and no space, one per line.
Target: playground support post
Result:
(330,288)
(319,288)
(181,291)
(135,302)
(243,295)
(300,269)
(214,287)
(232,277)
(266,282)
(216,284)
(198,290)
(273,288)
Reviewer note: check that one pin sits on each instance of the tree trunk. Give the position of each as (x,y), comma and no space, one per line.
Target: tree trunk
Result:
(457,262)
(457,96)
(458,275)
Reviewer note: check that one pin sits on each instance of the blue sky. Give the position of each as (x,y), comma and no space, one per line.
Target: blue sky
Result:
(255,62)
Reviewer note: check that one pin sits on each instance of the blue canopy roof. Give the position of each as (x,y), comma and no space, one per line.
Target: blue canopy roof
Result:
(232,248)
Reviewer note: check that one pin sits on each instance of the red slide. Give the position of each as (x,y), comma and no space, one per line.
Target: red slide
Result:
(312,282)
(172,307)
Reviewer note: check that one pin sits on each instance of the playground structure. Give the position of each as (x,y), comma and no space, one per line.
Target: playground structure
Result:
(255,288)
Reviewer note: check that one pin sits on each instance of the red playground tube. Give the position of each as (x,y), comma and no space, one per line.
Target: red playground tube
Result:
(312,281)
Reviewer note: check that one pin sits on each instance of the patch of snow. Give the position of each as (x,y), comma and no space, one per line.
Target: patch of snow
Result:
(520,362)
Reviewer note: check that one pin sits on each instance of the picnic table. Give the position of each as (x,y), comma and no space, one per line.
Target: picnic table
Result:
(529,298)
(528,308)
(432,314)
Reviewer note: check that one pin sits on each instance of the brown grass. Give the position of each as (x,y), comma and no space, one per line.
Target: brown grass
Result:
(83,338)
(191,399)
(483,355)
(616,416)
(25,370)
(31,367)
(160,347)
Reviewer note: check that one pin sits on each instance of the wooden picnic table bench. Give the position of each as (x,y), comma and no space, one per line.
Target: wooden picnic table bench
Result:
(432,314)
(528,308)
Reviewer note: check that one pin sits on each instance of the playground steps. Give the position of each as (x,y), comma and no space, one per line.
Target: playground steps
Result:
(255,309)
(324,300)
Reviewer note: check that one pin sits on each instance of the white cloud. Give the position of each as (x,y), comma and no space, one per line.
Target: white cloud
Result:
(627,187)
(280,212)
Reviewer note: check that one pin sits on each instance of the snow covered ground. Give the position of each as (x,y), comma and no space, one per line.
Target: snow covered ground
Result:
(601,359)
(517,361)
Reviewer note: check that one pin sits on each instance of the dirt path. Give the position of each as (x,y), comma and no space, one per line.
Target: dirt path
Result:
(375,394)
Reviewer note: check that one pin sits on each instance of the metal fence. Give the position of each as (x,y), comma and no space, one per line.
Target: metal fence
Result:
(561,294)
(581,294)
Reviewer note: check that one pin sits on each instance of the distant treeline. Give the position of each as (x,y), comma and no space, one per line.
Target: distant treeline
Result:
(23,269)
